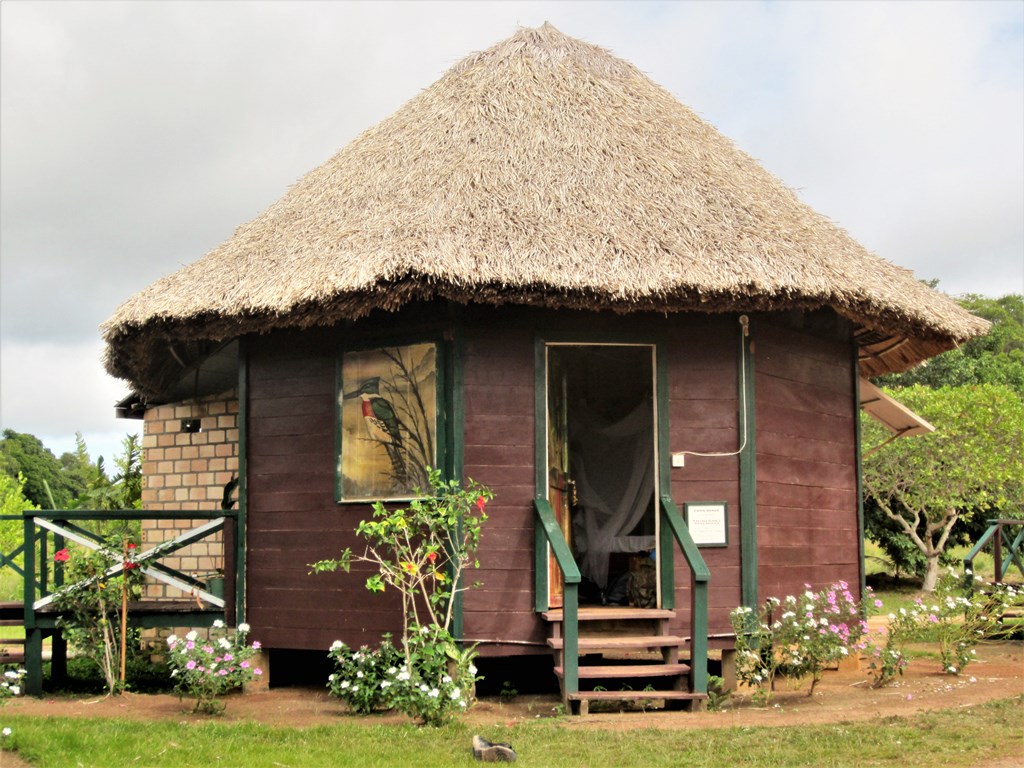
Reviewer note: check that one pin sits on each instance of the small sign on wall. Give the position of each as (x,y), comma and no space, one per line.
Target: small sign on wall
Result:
(708,522)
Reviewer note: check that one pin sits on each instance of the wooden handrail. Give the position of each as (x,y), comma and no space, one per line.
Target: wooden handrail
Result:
(41,525)
(549,532)
(997,534)
(699,578)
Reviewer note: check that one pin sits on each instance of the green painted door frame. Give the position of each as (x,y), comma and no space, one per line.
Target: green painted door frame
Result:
(662,485)
(748,468)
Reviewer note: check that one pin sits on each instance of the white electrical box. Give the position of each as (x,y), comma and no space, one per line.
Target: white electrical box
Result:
(678,459)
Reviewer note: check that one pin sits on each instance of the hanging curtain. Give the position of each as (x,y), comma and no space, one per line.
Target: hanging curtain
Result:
(612,464)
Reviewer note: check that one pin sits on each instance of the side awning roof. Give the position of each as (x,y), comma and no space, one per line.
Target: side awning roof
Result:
(891,414)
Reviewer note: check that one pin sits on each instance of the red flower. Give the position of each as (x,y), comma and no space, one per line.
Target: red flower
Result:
(128,565)
(61,555)
(131,545)
(431,556)
(481,502)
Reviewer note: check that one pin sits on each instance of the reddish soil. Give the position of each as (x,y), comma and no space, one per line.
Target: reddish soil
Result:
(842,695)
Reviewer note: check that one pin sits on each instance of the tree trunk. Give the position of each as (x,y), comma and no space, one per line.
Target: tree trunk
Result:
(931,572)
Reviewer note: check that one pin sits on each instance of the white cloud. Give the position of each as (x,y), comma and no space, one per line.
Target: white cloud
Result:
(54,390)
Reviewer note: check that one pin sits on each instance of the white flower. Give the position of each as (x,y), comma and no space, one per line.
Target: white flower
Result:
(16,690)
(218,624)
(403,675)
(192,636)
(385,684)
(446,679)
(172,639)
(331,678)
(456,694)
(243,627)
(6,732)
(359,674)
(336,645)
(344,684)
(472,669)
(11,674)
(423,688)
(433,693)
(223,643)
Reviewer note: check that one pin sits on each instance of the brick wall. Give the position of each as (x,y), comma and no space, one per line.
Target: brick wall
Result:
(185,471)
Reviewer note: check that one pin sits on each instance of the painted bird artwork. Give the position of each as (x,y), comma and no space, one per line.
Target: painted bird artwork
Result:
(382,424)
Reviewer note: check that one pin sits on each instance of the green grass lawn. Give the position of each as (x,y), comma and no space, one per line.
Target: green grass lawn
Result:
(963,737)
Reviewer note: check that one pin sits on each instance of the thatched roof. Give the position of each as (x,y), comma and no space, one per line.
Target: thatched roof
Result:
(543,171)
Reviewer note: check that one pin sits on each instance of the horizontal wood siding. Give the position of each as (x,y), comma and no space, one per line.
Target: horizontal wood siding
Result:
(293,519)
(703,418)
(806,471)
(498,437)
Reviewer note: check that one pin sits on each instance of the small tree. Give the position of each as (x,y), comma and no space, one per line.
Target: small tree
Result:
(422,552)
(972,463)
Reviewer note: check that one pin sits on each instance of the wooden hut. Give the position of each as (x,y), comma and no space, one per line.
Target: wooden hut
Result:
(571,289)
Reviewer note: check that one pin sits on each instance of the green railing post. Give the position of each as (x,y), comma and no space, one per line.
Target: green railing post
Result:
(699,578)
(548,533)
(33,634)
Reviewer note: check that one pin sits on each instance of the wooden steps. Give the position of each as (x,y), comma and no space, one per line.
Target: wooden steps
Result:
(629,671)
(622,642)
(619,648)
(582,699)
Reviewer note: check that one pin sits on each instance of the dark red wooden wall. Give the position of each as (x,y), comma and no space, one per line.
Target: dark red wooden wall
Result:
(805,459)
(806,444)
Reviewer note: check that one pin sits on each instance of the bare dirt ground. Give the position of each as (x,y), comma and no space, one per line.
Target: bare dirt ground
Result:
(842,695)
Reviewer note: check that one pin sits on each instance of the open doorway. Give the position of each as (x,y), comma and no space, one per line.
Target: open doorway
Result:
(602,468)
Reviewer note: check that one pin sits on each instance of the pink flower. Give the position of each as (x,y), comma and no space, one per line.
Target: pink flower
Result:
(61,555)
(191,664)
(244,665)
(256,645)
(257,671)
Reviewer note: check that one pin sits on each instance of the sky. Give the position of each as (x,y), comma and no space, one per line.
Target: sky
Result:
(135,137)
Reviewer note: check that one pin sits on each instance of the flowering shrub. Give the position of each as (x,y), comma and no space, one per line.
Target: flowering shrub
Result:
(10,683)
(798,635)
(422,551)
(955,621)
(94,603)
(207,668)
(364,676)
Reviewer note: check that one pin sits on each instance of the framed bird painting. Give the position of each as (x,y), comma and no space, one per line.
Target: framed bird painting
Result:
(388,426)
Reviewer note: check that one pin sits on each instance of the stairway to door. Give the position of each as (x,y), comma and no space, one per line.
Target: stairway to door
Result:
(626,655)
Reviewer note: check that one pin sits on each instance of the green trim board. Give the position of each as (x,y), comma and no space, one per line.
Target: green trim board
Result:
(543,341)
(859,466)
(243,480)
(748,468)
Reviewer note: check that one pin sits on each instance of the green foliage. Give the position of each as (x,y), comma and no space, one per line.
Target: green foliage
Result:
(26,455)
(718,694)
(970,464)
(798,635)
(123,490)
(205,669)
(363,677)
(422,551)
(93,601)
(12,502)
(956,621)
(996,358)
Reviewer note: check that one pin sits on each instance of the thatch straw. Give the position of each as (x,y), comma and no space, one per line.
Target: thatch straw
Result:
(541,171)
